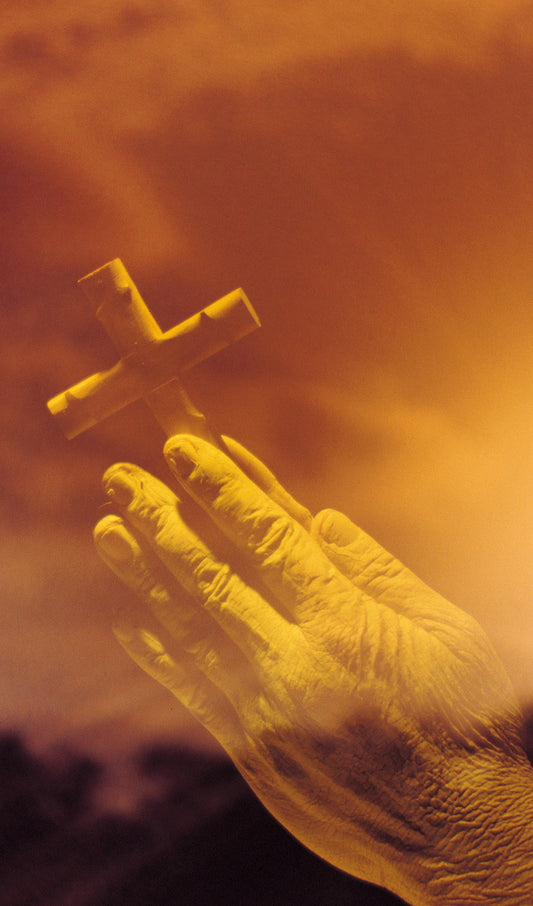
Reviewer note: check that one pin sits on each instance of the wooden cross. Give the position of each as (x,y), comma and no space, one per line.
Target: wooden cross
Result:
(150,361)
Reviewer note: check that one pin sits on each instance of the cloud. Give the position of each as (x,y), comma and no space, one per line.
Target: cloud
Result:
(364,171)
(80,85)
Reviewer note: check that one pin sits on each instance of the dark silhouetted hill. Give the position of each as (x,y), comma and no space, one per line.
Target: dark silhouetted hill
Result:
(196,835)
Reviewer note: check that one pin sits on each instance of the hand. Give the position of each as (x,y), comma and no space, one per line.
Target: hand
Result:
(369,715)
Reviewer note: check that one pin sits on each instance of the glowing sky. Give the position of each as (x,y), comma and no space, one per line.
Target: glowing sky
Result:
(365,171)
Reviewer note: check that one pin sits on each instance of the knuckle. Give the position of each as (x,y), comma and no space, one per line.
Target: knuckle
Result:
(160,666)
(276,538)
(163,520)
(380,570)
(215,582)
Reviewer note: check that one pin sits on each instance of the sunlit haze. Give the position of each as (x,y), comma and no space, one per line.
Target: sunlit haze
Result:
(365,172)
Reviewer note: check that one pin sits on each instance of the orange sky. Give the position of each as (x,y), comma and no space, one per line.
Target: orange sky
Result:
(365,172)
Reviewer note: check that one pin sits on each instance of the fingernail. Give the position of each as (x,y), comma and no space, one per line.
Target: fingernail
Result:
(119,487)
(181,457)
(115,542)
(335,528)
(328,528)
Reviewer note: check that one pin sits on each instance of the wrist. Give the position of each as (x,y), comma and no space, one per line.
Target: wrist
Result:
(486,854)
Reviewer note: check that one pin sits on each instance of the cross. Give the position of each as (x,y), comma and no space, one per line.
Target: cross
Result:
(151,361)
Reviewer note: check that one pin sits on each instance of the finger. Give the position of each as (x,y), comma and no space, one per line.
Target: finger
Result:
(378,573)
(288,560)
(153,511)
(212,650)
(267,481)
(186,682)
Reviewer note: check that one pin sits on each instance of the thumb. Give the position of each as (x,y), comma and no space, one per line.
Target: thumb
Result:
(374,570)
(348,547)
(333,529)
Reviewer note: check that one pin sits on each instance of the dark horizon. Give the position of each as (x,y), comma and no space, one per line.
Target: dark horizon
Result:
(195,832)
(184,825)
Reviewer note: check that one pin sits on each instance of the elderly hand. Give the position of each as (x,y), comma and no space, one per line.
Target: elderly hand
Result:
(370,716)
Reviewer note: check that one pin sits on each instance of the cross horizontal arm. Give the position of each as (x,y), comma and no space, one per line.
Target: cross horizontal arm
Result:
(154,363)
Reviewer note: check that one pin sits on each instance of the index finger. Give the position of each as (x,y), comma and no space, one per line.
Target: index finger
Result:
(288,560)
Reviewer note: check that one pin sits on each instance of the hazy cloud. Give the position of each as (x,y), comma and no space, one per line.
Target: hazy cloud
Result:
(365,172)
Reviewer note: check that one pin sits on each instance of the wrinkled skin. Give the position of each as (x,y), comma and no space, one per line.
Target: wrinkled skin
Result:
(369,715)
